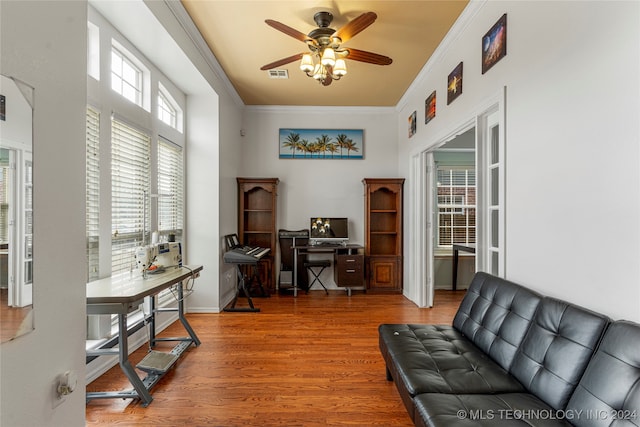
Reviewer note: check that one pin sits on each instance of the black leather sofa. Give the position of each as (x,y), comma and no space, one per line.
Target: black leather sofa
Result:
(514,357)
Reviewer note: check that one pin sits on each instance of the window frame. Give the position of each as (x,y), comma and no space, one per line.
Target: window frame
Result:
(142,116)
(167,104)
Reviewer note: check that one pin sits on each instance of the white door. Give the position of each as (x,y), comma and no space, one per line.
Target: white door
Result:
(490,254)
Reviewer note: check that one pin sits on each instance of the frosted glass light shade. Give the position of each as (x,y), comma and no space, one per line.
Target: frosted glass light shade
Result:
(306,64)
(328,57)
(340,69)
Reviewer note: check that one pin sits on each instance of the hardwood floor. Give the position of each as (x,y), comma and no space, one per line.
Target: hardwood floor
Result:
(306,361)
(11,318)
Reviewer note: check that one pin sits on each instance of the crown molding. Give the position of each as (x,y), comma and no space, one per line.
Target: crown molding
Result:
(456,31)
(192,32)
(320,109)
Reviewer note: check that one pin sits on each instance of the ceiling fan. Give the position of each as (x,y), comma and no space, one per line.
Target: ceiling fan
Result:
(326,60)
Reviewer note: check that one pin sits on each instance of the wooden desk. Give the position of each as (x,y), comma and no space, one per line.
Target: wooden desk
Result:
(122,294)
(318,249)
(457,247)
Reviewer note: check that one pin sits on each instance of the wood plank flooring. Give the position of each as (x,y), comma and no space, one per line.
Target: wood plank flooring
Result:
(306,361)
(11,318)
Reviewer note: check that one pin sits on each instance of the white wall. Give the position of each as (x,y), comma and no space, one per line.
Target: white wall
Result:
(44,44)
(213,155)
(320,187)
(572,151)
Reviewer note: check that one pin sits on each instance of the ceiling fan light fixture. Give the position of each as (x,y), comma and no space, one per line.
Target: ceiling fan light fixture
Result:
(328,57)
(340,69)
(320,73)
(306,65)
(326,61)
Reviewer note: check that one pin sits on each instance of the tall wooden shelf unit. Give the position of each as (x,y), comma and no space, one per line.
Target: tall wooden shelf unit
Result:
(257,203)
(383,233)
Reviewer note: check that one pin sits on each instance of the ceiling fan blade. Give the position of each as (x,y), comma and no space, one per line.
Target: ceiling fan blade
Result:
(355,26)
(283,61)
(368,57)
(288,30)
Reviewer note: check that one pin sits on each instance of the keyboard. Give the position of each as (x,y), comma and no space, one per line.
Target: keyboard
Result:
(245,255)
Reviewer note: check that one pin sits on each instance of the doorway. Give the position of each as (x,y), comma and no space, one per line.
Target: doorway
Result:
(431,260)
(454,211)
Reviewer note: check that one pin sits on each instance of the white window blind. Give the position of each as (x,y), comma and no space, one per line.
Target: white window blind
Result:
(130,171)
(93,193)
(170,188)
(456,206)
(5,172)
(28,222)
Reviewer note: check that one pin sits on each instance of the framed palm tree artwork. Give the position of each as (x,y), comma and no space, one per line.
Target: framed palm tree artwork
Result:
(321,144)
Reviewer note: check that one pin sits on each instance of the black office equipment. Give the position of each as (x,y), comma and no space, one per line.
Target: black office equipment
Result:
(329,230)
(244,256)
(287,240)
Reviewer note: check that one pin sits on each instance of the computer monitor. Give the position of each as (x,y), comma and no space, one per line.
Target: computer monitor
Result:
(328,230)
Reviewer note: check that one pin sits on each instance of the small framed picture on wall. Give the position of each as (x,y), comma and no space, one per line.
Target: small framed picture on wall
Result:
(454,84)
(494,44)
(413,125)
(430,107)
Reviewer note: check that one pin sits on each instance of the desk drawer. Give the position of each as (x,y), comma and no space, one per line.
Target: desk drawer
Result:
(348,270)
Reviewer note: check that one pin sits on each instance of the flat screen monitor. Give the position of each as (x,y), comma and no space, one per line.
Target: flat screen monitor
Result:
(329,230)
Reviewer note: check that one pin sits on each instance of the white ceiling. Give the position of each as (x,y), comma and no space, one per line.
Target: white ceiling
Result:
(406,31)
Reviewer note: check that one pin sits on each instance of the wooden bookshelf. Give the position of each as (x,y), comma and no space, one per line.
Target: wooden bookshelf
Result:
(383,233)
(257,212)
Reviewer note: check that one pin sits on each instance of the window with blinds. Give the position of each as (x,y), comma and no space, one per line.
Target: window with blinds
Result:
(130,185)
(93,194)
(170,189)
(456,206)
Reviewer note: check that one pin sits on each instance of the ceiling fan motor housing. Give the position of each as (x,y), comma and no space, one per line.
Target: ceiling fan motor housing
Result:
(322,34)
(323,19)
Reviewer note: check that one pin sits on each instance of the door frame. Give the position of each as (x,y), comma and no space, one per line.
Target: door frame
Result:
(423,209)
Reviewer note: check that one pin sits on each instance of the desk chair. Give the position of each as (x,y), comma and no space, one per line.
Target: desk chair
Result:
(287,239)
(316,268)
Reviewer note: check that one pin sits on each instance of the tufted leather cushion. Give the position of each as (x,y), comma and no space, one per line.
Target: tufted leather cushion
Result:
(556,350)
(611,383)
(512,409)
(495,315)
(439,359)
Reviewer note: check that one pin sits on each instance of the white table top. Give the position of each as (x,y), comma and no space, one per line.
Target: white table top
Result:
(130,287)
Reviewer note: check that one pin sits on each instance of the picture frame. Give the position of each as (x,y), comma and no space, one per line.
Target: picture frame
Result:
(413,125)
(430,107)
(454,84)
(494,44)
(327,144)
